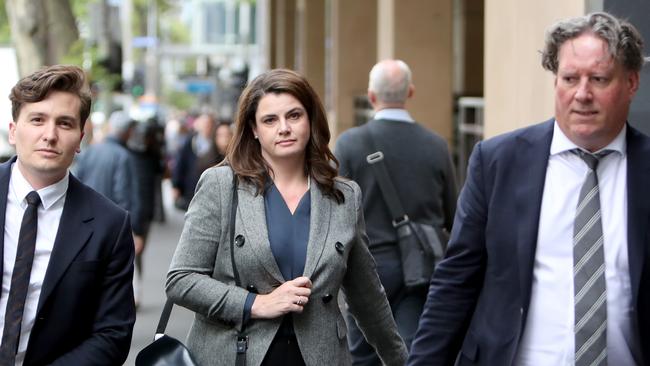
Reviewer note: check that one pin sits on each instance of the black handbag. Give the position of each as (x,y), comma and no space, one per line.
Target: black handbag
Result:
(165,350)
(168,351)
(421,246)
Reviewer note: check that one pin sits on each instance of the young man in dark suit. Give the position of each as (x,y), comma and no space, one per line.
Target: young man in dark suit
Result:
(67,296)
(549,260)
(420,167)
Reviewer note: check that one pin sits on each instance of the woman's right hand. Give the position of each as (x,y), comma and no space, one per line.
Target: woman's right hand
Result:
(290,297)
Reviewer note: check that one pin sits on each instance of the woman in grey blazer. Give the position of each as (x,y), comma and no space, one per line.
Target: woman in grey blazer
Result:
(299,239)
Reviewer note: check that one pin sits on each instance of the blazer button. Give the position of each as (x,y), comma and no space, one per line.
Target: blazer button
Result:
(239,240)
(339,247)
(251,288)
(327,298)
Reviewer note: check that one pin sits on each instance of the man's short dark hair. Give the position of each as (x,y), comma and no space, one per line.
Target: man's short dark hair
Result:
(38,85)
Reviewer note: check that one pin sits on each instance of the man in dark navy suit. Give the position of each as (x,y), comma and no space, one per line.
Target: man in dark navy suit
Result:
(67,296)
(549,257)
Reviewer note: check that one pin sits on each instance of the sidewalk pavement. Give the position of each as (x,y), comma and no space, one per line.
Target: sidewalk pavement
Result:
(162,242)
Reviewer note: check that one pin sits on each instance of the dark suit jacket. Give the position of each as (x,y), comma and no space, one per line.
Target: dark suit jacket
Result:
(418,162)
(86,310)
(479,295)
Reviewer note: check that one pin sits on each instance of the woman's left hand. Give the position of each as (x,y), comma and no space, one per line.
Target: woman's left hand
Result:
(290,297)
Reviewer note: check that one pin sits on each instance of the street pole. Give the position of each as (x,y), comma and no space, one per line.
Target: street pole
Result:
(151,58)
(126,10)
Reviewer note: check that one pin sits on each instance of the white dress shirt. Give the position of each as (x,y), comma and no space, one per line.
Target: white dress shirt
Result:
(49,215)
(395,114)
(548,338)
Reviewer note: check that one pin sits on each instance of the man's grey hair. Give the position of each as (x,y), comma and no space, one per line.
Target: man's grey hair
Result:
(120,123)
(623,40)
(390,87)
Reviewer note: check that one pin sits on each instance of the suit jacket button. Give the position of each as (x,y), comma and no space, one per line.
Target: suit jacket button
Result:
(339,247)
(251,288)
(327,298)
(239,240)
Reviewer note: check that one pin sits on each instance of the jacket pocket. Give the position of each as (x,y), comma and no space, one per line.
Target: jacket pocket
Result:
(85,266)
(469,350)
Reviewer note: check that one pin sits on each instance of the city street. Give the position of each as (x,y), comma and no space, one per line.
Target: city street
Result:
(160,248)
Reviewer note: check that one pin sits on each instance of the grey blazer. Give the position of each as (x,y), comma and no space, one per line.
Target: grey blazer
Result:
(201,277)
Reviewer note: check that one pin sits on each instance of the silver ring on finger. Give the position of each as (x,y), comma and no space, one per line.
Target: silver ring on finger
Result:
(299,302)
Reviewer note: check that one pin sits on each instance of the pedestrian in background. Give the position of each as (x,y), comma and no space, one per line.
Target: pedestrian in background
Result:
(145,147)
(300,240)
(223,136)
(110,168)
(196,155)
(67,268)
(549,260)
(419,163)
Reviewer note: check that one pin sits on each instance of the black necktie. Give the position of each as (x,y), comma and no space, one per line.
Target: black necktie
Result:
(20,280)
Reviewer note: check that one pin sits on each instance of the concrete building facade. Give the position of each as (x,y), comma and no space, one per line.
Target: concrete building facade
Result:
(485,48)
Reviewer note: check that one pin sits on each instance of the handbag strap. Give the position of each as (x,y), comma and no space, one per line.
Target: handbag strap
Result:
(167,308)
(164,318)
(242,340)
(233,214)
(376,161)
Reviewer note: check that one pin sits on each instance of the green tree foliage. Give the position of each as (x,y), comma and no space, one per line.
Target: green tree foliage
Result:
(5,31)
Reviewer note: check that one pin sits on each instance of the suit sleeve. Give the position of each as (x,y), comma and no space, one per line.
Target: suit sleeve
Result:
(457,281)
(122,183)
(363,291)
(341,153)
(189,280)
(450,191)
(110,340)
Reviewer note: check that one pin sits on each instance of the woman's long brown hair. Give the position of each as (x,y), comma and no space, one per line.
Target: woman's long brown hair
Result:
(244,152)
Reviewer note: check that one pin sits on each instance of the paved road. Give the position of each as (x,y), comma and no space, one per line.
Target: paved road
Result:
(162,242)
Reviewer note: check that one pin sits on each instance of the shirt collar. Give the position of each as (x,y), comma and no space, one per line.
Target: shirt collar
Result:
(561,143)
(395,114)
(49,195)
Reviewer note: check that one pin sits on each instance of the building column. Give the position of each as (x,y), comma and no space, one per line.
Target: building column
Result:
(422,37)
(351,51)
(310,43)
(282,30)
(518,91)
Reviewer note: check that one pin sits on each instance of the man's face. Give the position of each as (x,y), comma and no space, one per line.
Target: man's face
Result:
(593,92)
(46,135)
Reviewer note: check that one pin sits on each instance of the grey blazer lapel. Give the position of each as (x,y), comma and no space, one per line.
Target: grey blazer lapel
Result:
(319,225)
(252,217)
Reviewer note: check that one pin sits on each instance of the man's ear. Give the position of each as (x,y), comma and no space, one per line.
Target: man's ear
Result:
(78,149)
(12,133)
(372,97)
(633,82)
(411,91)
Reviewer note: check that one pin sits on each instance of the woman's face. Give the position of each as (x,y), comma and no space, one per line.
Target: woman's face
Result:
(222,137)
(282,127)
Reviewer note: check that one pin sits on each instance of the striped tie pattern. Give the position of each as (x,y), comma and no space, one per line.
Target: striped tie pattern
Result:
(20,281)
(590,292)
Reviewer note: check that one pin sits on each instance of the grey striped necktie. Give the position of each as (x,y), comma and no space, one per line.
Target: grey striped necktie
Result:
(590,291)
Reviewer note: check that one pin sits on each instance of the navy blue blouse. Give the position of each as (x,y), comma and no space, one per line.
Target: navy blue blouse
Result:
(288,236)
